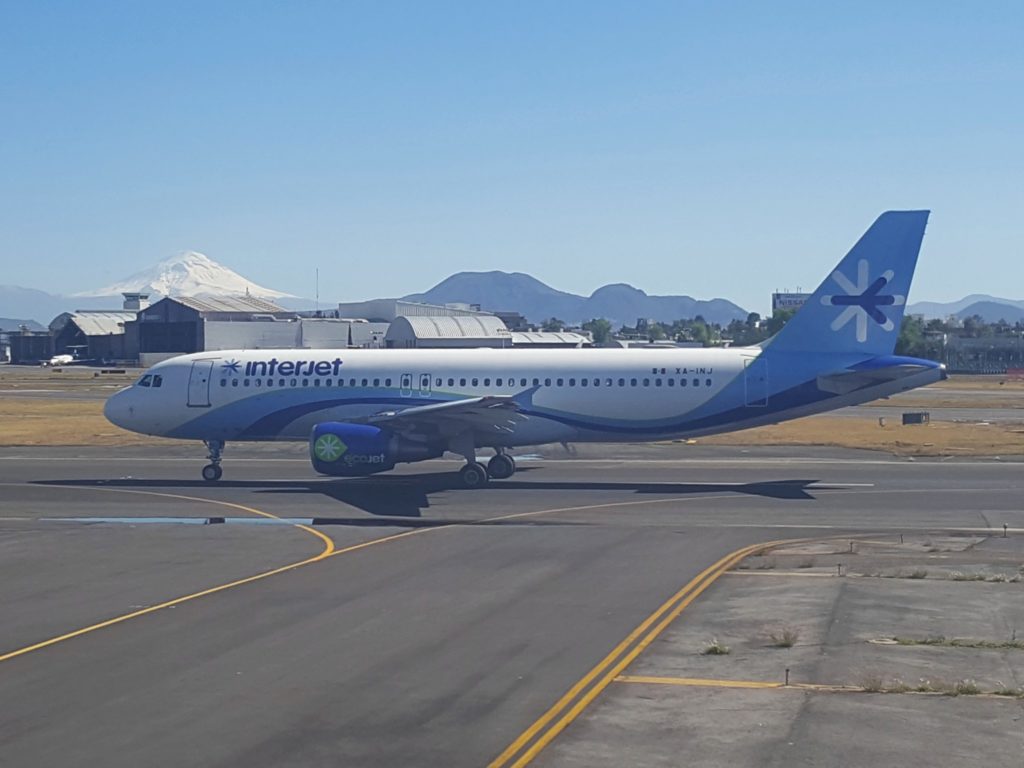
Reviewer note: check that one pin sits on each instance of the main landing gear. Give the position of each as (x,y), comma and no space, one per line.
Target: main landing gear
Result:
(500,467)
(212,471)
(473,474)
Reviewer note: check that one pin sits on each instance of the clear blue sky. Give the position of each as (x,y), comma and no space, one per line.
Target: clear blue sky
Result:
(714,149)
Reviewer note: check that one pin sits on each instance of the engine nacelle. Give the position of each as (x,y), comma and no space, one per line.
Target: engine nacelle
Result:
(351,450)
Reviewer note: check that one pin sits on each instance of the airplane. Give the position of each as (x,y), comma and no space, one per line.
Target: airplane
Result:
(56,360)
(364,411)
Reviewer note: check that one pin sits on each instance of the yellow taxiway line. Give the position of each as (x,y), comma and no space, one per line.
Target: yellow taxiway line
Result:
(699,682)
(329,550)
(531,741)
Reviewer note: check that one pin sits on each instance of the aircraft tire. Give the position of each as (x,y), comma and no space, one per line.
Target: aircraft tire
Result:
(473,475)
(212,473)
(501,467)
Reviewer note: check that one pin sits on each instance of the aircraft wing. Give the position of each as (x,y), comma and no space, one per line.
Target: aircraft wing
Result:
(480,414)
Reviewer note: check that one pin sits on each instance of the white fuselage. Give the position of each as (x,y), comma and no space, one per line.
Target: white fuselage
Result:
(568,395)
(586,388)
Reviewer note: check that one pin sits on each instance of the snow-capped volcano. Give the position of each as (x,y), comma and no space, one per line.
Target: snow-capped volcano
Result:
(187,274)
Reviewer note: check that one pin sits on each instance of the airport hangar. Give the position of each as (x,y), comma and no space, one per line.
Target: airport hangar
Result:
(144,334)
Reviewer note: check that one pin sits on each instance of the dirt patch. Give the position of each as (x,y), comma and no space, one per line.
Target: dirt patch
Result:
(935,439)
(35,421)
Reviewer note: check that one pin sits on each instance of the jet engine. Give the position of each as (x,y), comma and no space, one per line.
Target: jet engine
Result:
(352,450)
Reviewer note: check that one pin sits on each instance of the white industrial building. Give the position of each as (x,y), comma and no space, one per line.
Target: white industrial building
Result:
(386,310)
(433,332)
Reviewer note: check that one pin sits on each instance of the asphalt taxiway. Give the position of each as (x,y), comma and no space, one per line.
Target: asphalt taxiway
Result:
(279,619)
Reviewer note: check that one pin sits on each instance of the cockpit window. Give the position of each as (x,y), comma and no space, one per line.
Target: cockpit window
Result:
(158,380)
(145,380)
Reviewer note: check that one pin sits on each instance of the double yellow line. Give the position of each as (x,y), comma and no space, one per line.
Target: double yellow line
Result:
(530,743)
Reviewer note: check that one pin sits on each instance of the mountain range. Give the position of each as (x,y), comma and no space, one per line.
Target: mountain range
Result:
(991,309)
(618,302)
(194,274)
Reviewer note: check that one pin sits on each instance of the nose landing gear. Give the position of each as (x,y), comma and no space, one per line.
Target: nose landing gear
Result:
(212,472)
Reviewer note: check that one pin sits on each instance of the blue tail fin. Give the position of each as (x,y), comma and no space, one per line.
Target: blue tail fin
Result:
(859,307)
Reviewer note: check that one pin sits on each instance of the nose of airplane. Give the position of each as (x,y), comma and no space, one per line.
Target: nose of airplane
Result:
(119,409)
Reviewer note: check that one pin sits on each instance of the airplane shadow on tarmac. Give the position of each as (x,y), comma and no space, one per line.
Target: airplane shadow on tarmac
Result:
(393,499)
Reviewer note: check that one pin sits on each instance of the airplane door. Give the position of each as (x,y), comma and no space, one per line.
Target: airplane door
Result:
(755,377)
(424,385)
(199,384)
(406,385)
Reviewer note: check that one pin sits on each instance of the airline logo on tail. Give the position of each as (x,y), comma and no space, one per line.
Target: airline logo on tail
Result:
(863,300)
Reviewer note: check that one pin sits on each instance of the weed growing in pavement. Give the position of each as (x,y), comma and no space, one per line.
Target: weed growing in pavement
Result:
(783,637)
(963,688)
(873,683)
(1013,644)
(716,648)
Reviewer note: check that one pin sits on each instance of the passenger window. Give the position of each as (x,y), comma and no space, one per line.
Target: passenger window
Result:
(366,382)
(280,383)
(597,382)
(487,382)
(316,382)
(462,382)
(622,382)
(607,382)
(682,382)
(328,382)
(305,382)
(245,383)
(258,382)
(583,382)
(647,382)
(351,382)
(696,382)
(547,382)
(707,382)
(223,382)
(293,382)
(476,382)
(657,382)
(671,382)
(572,382)
(270,382)
(451,382)
(632,382)
(497,382)
(559,382)
(376,382)
(387,382)
(437,382)
(234,382)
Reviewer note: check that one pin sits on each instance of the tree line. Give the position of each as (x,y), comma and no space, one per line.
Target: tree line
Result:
(918,337)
